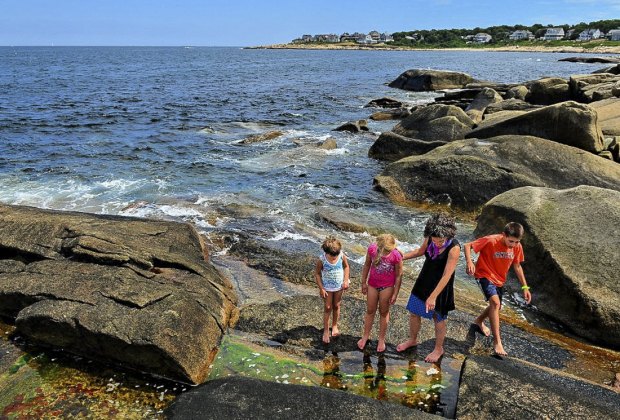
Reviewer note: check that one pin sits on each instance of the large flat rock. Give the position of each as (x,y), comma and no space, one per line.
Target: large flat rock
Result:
(468,173)
(425,80)
(512,389)
(568,123)
(243,398)
(134,292)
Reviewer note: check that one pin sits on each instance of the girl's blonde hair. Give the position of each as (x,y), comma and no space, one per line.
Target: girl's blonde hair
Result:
(386,243)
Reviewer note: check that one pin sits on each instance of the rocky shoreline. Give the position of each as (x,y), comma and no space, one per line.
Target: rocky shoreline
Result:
(515,48)
(143,294)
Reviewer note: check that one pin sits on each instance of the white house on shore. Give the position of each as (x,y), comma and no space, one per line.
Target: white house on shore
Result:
(519,35)
(614,35)
(385,37)
(366,39)
(554,34)
(482,38)
(589,34)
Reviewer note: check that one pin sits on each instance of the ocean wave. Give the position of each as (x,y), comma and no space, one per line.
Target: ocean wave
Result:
(119,184)
(236,127)
(338,151)
(69,195)
(175,211)
(279,236)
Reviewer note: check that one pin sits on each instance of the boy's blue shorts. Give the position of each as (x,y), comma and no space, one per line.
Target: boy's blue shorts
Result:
(489,289)
(418,307)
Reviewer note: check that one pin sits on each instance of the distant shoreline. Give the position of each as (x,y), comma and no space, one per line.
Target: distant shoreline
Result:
(517,48)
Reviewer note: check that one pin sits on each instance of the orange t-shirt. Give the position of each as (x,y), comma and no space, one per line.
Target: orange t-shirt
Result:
(495,258)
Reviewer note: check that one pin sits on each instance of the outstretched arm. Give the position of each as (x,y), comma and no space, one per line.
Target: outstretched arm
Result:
(453,258)
(416,252)
(471,268)
(521,277)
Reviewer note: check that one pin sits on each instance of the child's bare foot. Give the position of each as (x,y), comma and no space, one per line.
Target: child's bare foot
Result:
(380,346)
(485,330)
(499,350)
(335,331)
(434,356)
(407,344)
(361,344)
(326,337)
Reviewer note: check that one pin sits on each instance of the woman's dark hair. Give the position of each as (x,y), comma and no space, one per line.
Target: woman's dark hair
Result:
(514,229)
(440,225)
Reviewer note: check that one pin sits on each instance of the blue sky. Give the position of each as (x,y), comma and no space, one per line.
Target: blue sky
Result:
(260,22)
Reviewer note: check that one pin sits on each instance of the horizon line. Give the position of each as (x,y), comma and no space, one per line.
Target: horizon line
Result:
(127,46)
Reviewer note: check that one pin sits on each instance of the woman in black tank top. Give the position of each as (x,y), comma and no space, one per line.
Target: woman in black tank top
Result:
(432,296)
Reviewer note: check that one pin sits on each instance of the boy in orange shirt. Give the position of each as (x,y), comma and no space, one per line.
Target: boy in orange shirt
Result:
(497,254)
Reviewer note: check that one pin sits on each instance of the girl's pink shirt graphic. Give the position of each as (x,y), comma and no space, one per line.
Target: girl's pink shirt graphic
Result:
(384,274)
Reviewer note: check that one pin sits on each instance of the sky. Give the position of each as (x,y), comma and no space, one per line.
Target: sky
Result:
(262,22)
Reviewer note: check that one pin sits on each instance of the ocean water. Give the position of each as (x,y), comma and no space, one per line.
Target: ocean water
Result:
(154,132)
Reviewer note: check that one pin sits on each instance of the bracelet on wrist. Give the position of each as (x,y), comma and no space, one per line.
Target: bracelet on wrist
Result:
(526,287)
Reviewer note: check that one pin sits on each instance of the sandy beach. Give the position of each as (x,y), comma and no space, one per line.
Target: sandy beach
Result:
(515,48)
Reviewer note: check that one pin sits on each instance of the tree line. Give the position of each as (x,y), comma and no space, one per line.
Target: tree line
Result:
(500,34)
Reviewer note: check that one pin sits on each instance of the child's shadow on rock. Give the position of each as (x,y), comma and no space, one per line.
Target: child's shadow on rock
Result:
(311,338)
(475,338)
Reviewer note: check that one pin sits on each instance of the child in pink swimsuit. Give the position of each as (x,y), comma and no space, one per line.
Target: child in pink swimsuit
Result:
(381,278)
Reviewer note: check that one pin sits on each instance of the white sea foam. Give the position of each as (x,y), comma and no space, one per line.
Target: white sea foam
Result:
(295,133)
(143,211)
(69,195)
(166,210)
(176,211)
(204,224)
(360,260)
(119,184)
(291,235)
(339,151)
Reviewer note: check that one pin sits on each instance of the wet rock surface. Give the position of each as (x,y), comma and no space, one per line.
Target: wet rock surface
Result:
(570,262)
(346,221)
(293,265)
(385,103)
(258,138)
(113,288)
(291,323)
(242,398)
(591,59)
(514,389)
(296,322)
(353,126)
